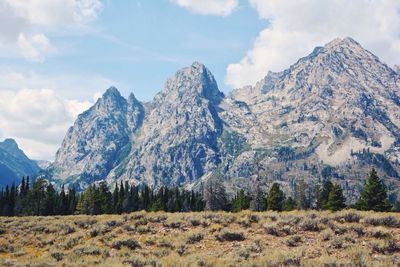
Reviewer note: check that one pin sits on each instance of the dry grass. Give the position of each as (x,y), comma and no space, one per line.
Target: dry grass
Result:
(298,238)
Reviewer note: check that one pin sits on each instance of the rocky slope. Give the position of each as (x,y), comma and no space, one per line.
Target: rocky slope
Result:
(332,114)
(14,164)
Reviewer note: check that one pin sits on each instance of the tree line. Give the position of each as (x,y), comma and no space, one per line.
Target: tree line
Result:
(41,198)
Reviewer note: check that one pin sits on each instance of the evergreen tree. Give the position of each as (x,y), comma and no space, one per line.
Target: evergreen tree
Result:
(302,195)
(373,195)
(322,197)
(241,201)
(289,204)
(336,200)
(50,201)
(275,198)
(36,197)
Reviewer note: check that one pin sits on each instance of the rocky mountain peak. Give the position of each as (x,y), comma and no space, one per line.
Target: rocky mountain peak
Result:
(191,82)
(112,92)
(9,143)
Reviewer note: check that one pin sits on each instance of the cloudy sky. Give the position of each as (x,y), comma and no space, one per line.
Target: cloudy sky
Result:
(58,56)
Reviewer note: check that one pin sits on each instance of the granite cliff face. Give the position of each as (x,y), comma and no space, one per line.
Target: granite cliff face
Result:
(332,114)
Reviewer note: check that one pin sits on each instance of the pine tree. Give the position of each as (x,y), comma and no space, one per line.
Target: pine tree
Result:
(275,198)
(289,204)
(50,201)
(322,197)
(373,195)
(336,200)
(240,202)
(302,195)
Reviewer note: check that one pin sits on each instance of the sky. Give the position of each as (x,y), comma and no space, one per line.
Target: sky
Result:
(58,56)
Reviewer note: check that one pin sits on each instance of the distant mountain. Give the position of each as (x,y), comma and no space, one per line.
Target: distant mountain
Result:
(14,164)
(333,114)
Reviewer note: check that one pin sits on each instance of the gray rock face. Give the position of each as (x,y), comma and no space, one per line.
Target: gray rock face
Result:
(14,164)
(98,139)
(332,114)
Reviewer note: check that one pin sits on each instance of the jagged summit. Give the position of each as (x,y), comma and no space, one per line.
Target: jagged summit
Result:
(112,91)
(342,42)
(11,143)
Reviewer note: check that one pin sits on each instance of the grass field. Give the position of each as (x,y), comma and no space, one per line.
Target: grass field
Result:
(298,238)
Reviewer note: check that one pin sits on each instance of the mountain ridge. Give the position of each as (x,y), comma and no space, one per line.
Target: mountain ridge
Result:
(323,111)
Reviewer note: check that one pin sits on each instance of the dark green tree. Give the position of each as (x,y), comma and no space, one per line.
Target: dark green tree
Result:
(289,204)
(322,197)
(374,195)
(275,198)
(336,200)
(241,201)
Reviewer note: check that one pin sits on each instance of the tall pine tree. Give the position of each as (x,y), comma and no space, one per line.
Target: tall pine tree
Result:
(373,195)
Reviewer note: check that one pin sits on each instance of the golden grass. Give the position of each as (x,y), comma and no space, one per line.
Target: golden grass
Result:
(297,238)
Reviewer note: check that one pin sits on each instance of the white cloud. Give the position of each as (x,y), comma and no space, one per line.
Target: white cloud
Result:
(26,24)
(37,119)
(35,47)
(296,27)
(209,7)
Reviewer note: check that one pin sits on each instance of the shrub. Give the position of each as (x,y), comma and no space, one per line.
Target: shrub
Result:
(87,251)
(66,229)
(57,256)
(390,246)
(380,233)
(195,238)
(293,241)
(165,244)
(230,236)
(388,221)
(195,222)
(310,225)
(272,230)
(287,229)
(359,230)
(157,219)
(128,228)
(2,231)
(129,243)
(173,225)
(337,243)
(181,250)
(85,224)
(349,217)
(326,235)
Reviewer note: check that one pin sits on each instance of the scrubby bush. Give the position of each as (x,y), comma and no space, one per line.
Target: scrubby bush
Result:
(310,225)
(57,256)
(272,230)
(388,247)
(388,221)
(293,241)
(230,236)
(195,238)
(129,243)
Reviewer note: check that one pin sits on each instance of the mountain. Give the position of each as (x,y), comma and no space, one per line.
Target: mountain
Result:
(99,139)
(333,114)
(14,164)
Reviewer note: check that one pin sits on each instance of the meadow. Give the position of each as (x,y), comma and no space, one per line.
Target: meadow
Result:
(295,238)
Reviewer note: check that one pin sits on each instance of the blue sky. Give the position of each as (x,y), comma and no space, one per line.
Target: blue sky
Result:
(59,56)
(141,43)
